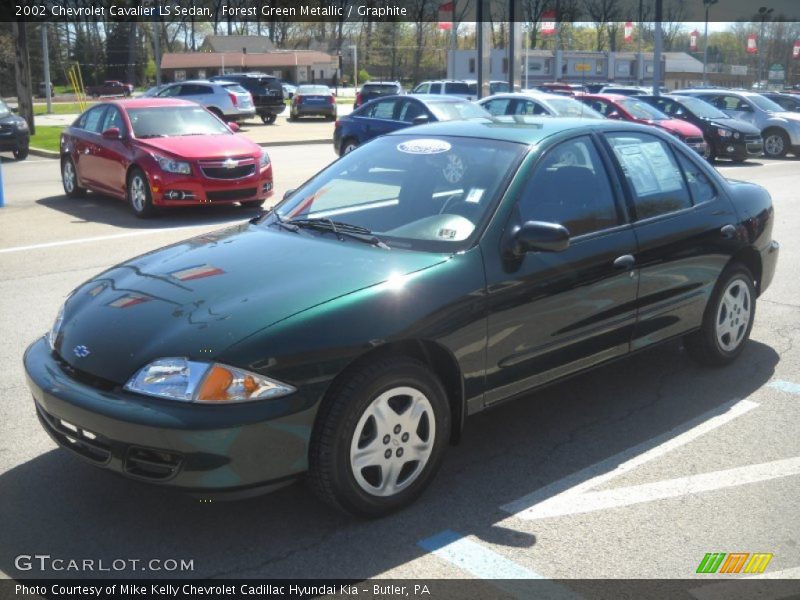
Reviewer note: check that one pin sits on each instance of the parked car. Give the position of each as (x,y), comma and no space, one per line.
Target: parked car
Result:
(790,102)
(350,331)
(110,87)
(552,105)
(226,99)
(460,89)
(377,89)
(495,87)
(156,152)
(398,112)
(630,108)
(266,92)
(780,129)
(565,89)
(313,101)
(14,133)
(625,90)
(725,137)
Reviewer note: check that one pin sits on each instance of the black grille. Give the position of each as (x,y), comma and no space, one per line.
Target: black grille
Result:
(152,464)
(234,173)
(231,194)
(84,377)
(79,440)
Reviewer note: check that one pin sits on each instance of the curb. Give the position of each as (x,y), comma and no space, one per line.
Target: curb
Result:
(43,153)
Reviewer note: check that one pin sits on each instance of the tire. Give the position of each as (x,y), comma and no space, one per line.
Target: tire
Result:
(69,179)
(268,119)
(330,117)
(139,195)
(348,146)
(347,432)
(776,143)
(21,153)
(252,204)
(734,303)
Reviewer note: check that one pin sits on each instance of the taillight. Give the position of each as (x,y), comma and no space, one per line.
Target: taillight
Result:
(233,98)
(337,124)
(358,99)
(331,100)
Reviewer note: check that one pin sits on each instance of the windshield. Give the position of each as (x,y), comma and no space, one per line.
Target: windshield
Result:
(455,111)
(167,121)
(313,89)
(642,110)
(427,193)
(765,103)
(4,110)
(567,107)
(702,109)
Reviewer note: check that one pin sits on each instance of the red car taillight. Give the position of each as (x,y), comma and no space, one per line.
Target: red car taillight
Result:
(337,124)
(358,99)
(233,98)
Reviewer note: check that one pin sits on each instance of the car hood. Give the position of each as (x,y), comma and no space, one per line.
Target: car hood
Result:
(202,146)
(787,115)
(736,125)
(678,126)
(198,297)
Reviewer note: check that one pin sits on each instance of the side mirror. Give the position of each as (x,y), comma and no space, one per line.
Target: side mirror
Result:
(420,119)
(112,133)
(538,235)
(234,127)
(614,115)
(288,193)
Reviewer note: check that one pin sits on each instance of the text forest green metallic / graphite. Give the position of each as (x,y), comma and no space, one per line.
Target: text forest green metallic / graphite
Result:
(304,309)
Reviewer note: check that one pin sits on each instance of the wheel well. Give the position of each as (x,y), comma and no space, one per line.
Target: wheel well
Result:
(751,259)
(773,128)
(437,358)
(349,138)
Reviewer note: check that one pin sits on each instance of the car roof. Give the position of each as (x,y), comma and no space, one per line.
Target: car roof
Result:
(530,133)
(150,102)
(531,95)
(708,92)
(610,97)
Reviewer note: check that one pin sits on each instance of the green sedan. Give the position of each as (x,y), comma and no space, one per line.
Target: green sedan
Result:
(430,274)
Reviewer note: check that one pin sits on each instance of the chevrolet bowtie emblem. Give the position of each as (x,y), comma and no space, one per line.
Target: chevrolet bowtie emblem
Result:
(230,163)
(81,351)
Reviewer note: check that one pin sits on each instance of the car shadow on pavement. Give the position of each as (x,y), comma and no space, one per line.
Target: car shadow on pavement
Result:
(57,505)
(96,208)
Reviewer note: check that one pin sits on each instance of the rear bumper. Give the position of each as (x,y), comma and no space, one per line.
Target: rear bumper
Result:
(315,111)
(181,190)
(241,114)
(769,260)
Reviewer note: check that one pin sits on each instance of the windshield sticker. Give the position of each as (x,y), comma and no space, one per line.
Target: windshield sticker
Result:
(424,146)
(447,234)
(474,195)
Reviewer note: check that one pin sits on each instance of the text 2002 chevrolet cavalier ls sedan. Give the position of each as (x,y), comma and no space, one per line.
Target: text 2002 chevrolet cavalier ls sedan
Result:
(424,277)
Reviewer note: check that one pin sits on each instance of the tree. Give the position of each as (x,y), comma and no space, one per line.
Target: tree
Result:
(23,73)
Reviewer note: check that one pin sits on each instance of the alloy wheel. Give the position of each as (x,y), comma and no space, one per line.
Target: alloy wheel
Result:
(773,145)
(138,194)
(733,315)
(68,175)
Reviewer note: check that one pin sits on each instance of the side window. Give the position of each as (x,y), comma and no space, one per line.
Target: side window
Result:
(604,108)
(94,119)
(498,106)
(410,110)
(422,88)
(173,90)
(383,110)
(654,177)
(112,119)
(570,186)
(528,107)
(700,185)
(436,88)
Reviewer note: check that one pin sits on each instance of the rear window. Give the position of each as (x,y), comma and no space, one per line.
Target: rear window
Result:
(456,88)
(379,88)
(314,89)
(235,88)
(454,111)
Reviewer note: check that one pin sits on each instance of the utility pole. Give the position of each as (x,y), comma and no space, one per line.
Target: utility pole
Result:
(639,65)
(764,13)
(46,63)
(708,4)
(657,50)
(22,71)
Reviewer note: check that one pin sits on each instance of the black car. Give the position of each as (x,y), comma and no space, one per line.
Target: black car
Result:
(267,92)
(790,102)
(377,89)
(725,137)
(14,133)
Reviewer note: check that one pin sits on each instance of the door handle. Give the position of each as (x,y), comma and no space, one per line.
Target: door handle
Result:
(728,232)
(624,262)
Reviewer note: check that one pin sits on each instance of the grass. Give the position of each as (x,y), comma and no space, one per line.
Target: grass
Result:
(47,137)
(60,108)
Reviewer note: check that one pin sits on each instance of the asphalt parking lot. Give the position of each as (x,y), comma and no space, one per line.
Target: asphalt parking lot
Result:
(635,470)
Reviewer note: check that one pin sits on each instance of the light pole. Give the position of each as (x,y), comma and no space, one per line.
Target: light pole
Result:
(764,13)
(707,4)
(354,48)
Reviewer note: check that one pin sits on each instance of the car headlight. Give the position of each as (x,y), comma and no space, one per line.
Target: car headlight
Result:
(170,165)
(52,335)
(193,381)
(22,125)
(264,158)
(724,133)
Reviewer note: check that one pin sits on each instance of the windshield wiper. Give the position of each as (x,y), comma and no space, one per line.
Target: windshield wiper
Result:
(356,232)
(151,135)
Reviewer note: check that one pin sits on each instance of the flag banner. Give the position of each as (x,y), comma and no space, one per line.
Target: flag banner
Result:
(446,16)
(693,40)
(548,22)
(752,46)
(796,49)
(629,31)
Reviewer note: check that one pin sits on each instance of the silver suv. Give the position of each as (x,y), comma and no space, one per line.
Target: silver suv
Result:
(779,128)
(226,99)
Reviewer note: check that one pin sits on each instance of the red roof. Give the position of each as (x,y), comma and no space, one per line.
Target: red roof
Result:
(151,102)
(201,60)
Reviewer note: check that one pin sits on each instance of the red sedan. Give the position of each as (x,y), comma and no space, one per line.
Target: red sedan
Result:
(156,152)
(628,108)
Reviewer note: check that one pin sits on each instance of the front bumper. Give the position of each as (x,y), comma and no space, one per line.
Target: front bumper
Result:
(197,448)
(13,139)
(171,189)
(744,147)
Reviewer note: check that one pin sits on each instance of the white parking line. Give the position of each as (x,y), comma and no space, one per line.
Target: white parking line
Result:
(565,495)
(102,238)
(478,560)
